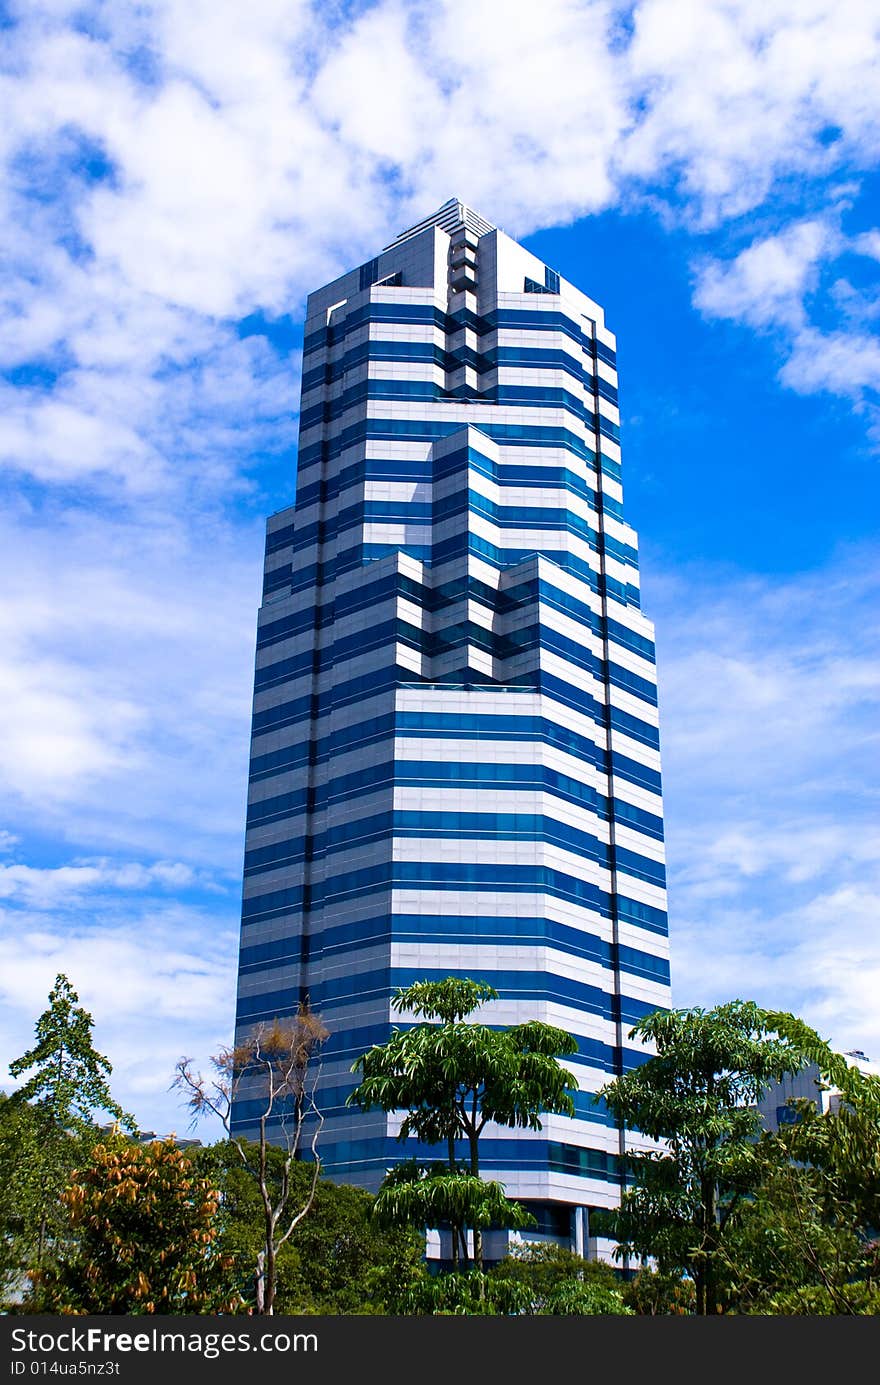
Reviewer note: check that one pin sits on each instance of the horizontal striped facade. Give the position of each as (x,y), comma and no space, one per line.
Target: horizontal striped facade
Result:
(455,749)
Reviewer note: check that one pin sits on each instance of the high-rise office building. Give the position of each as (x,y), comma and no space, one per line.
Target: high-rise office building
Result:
(454,764)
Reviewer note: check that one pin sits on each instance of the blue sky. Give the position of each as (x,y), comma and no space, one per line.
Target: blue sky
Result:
(177,177)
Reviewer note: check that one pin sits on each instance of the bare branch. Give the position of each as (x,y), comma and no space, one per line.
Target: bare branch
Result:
(275,1066)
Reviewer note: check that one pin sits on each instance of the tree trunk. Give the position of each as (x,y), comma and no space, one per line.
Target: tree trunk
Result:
(264,1281)
(265,1257)
(269,1305)
(706,1283)
(454,1226)
(700,1292)
(478,1234)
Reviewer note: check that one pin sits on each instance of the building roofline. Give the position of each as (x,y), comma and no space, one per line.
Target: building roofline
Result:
(450,217)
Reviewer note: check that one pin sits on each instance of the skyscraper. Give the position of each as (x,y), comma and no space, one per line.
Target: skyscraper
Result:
(454,764)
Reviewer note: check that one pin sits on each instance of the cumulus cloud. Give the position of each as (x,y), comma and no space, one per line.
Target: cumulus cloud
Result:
(54,441)
(174,168)
(820,959)
(741,96)
(767,282)
(846,363)
(125,664)
(55,885)
(787,283)
(157,977)
(770,699)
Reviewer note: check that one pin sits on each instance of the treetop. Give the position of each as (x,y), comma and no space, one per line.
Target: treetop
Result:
(70,1080)
(448,1000)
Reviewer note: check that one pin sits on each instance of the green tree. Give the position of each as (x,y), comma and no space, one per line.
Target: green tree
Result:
(146,1238)
(697,1095)
(843,1142)
(807,1241)
(795,1247)
(587,1299)
(535,1279)
(420,1195)
(35,1164)
(453,1076)
(47,1127)
(655,1293)
(337,1260)
(558,1282)
(468,1293)
(276,1067)
(70,1078)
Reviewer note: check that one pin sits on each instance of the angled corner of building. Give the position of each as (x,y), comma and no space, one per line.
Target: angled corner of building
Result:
(455,750)
(777,1106)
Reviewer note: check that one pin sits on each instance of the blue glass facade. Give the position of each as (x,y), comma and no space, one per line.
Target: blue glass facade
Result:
(455,753)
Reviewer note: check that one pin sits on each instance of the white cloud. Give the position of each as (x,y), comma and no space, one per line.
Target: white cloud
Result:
(393,119)
(840,362)
(171,166)
(125,670)
(56,886)
(767,282)
(769,698)
(777,283)
(742,96)
(738,664)
(159,979)
(820,960)
(54,441)
(60,729)
(532,114)
(252,153)
(868,243)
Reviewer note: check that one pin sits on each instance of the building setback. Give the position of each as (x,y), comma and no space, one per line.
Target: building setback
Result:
(776,1105)
(454,764)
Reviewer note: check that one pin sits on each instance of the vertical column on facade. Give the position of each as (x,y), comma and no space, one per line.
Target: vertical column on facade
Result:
(322,662)
(462,342)
(592,400)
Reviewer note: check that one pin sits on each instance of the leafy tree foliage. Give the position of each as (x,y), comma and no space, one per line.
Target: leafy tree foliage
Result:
(654,1293)
(587,1299)
(420,1195)
(808,1241)
(452,1077)
(35,1164)
(46,1129)
(698,1095)
(146,1238)
(459,1293)
(843,1143)
(277,1067)
(559,1283)
(337,1259)
(538,1279)
(70,1078)
(792,1250)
